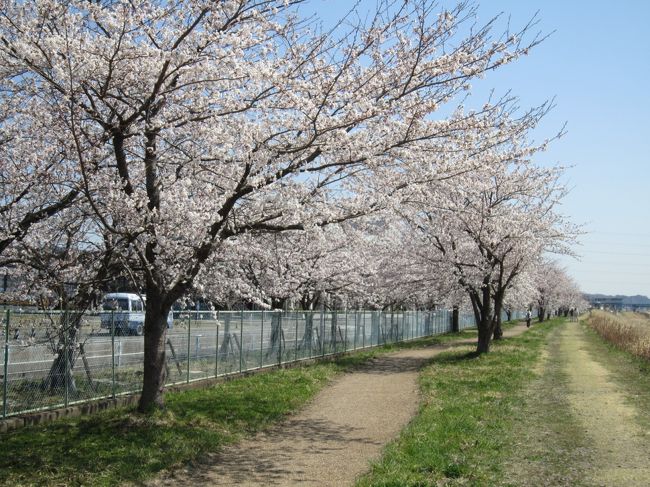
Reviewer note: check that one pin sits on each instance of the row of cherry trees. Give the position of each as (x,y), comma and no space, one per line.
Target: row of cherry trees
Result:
(232,148)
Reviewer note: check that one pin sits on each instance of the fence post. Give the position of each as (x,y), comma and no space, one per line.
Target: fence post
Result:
(66,385)
(280,331)
(189,336)
(295,344)
(322,330)
(241,340)
(345,346)
(380,334)
(311,331)
(334,325)
(262,342)
(379,330)
(113,352)
(6,366)
(216,354)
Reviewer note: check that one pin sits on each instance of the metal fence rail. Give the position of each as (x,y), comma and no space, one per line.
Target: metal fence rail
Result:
(104,363)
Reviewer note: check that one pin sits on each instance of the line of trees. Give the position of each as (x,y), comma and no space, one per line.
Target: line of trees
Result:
(232,149)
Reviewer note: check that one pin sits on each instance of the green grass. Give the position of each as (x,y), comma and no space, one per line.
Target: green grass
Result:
(462,433)
(120,446)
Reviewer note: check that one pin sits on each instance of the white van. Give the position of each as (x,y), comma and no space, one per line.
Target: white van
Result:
(126,312)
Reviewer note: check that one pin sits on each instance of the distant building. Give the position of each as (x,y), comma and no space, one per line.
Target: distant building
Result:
(618,302)
(607,303)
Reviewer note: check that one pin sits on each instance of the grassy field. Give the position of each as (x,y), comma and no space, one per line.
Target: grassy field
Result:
(121,446)
(465,428)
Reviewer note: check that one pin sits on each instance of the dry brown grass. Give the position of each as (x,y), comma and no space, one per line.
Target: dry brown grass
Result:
(628,331)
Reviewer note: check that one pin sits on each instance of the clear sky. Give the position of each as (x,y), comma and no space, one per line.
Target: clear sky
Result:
(596,64)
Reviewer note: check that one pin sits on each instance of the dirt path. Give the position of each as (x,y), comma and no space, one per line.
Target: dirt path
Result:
(331,441)
(619,446)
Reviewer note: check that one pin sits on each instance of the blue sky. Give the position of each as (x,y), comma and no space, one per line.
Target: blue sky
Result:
(596,65)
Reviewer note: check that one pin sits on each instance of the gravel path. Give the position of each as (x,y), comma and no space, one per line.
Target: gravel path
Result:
(332,440)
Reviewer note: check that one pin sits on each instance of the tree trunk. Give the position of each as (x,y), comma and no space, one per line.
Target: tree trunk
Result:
(483,304)
(334,323)
(375,326)
(498,306)
(276,346)
(498,331)
(427,324)
(60,371)
(476,310)
(155,333)
(225,343)
(484,337)
(394,332)
(307,302)
(455,320)
(276,335)
(541,313)
(308,336)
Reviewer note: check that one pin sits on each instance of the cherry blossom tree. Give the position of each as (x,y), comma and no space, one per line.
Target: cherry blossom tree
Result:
(489,225)
(555,290)
(36,179)
(195,121)
(63,264)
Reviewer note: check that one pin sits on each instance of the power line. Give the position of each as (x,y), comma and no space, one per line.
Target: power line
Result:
(622,244)
(616,272)
(612,253)
(610,264)
(633,234)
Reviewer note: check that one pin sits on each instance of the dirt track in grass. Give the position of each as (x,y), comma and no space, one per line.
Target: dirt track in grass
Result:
(333,439)
(620,448)
(580,426)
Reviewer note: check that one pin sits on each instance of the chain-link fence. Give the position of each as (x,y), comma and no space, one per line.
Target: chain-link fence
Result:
(54,359)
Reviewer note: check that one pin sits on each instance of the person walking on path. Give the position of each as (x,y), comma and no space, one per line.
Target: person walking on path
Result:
(528,318)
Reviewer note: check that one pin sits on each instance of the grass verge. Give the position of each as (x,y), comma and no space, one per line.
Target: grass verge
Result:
(464,430)
(121,446)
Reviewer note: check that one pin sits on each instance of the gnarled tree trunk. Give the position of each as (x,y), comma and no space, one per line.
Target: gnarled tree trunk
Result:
(60,374)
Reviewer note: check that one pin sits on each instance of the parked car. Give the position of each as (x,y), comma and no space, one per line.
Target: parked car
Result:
(125,311)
